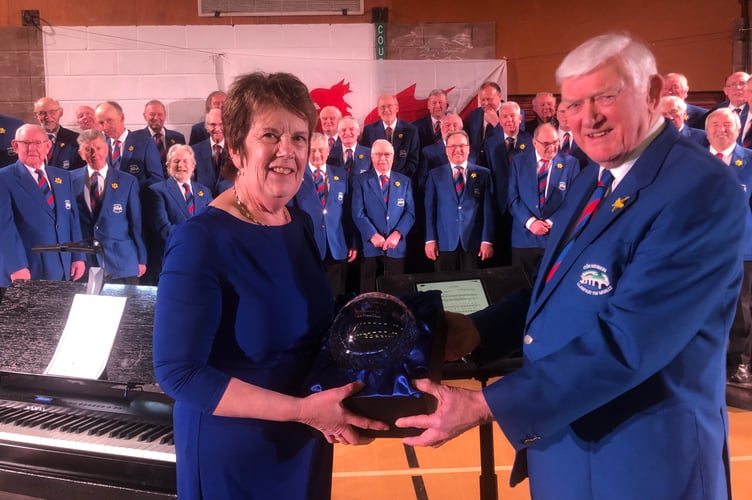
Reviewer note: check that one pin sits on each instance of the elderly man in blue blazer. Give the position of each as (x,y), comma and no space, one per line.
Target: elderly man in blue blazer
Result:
(622,389)
(170,202)
(402,135)
(133,153)
(64,150)
(538,182)
(383,213)
(8,127)
(109,209)
(37,207)
(459,210)
(358,159)
(210,154)
(155,114)
(722,126)
(325,196)
(674,109)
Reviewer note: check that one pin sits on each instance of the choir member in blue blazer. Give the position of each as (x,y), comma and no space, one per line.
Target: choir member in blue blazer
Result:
(384,213)
(86,118)
(64,151)
(132,153)
(170,202)
(402,135)
(329,118)
(673,110)
(722,127)
(484,122)
(622,393)
(435,155)
(8,127)
(735,89)
(429,127)
(109,209)
(567,144)
(358,160)
(538,182)
(675,84)
(211,155)
(325,196)
(155,115)
(460,210)
(215,100)
(36,212)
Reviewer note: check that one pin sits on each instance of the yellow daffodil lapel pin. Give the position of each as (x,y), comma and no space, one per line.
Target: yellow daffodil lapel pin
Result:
(619,203)
(114,185)
(58,180)
(738,163)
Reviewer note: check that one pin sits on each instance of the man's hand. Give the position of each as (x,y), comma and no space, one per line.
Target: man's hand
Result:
(21,274)
(458,410)
(540,227)
(377,240)
(490,116)
(432,250)
(392,240)
(141,269)
(486,250)
(352,254)
(461,338)
(77,269)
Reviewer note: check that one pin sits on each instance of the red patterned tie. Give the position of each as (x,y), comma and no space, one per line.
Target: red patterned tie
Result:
(160,145)
(566,146)
(318,180)
(189,201)
(384,187)
(587,213)
(720,156)
(389,134)
(217,157)
(331,142)
(542,181)
(94,191)
(115,156)
(348,159)
(459,181)
(437,130)
(45,187)
(51,152)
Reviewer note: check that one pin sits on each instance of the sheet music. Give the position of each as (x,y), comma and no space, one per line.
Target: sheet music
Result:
(462,296)
(87,339)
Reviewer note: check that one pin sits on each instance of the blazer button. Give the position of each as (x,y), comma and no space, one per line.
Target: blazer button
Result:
(325,211)
(387,217)
(528,339)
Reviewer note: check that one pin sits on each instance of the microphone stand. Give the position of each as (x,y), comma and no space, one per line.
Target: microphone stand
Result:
(89,246)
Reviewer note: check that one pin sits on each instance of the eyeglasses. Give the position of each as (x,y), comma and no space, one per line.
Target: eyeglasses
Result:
(547,144)
(28,144)
(457,146)
(382,155)
(42,114)
(739,85)
(605,100)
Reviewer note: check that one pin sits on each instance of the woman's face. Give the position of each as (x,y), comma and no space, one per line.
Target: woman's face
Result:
(181,166)
(276,156)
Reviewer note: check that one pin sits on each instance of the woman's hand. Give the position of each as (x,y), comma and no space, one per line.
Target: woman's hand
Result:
(324,411)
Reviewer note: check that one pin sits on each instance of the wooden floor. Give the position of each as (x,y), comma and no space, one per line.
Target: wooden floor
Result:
(382,470)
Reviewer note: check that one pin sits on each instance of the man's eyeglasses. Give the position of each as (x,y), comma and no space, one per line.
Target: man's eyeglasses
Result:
(604,100)
(28,144)
(42,114)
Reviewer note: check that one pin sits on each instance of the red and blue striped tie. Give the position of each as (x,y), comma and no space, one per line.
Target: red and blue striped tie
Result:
(459,181)
(45,187)
(189,201)
(318,180)
(542,181)
(587,213)
(385,187)
(115,156)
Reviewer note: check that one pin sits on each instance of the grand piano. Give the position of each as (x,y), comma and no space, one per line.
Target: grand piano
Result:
(69,438)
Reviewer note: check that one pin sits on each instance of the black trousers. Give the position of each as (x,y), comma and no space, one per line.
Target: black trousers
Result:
(372,267)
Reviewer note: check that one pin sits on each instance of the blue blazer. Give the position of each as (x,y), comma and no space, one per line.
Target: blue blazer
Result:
(463,222)
(523,194)
(371,215)
(498,162)
(198,133)
(361,159)
(741,165)
(164,208)
(404,140)
(27,221)
(473,125)
(426,135)
(695,116)
(625,346)
(65,151)
(172,137)
(206,173)
(8,127)
(117,222)
(332,222)
(140,158)
(695,135)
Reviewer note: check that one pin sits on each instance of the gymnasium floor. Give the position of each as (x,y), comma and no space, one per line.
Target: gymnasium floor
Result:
(382,471)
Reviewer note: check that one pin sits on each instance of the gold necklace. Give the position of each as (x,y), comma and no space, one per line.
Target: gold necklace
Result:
(247,213)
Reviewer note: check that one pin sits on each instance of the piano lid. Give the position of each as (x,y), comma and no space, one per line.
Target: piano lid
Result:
(33,315)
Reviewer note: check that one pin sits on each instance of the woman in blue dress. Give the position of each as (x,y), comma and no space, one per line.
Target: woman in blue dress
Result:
(242,306)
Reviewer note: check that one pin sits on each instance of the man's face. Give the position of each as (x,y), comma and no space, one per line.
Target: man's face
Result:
(387,109)
(94,153)
(32,146)
(545,107)
(348,131)
(381,157)
(329,121)
(673,112)
(457,149)
(437,106)
(217,101)
(561,116)
(155,116)
(546,143)
(510,119)
(722,131)
(673,85)
(735,88)
(450,123)
(86,119)
(111,122)
(490,99)
(48,113)
(214,126)
(609,118)
(319,152)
